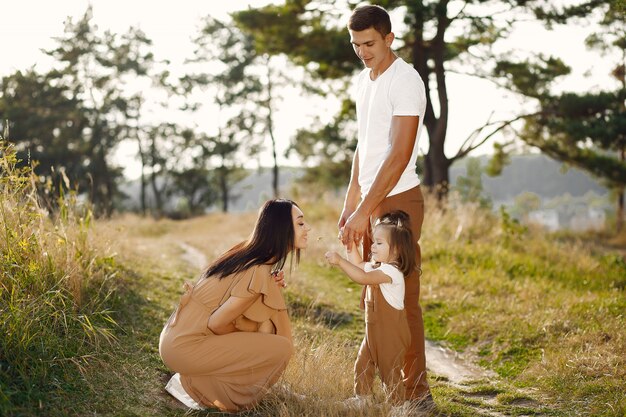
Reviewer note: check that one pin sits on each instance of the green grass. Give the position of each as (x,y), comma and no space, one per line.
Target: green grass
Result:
(55,288)
(544,313)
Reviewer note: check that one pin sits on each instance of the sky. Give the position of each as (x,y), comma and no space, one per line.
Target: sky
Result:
(170,25)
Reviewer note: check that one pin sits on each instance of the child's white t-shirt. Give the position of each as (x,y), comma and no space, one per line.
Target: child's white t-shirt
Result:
(392,291)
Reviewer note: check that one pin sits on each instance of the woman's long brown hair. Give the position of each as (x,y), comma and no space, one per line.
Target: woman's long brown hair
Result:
(270,243)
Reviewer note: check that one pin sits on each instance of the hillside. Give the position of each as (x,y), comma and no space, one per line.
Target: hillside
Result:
(533,173)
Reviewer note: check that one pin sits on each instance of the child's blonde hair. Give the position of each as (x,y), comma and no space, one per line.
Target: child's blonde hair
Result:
(402,245)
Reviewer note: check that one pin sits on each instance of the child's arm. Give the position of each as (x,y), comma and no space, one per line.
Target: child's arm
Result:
(355,273)
(354,256)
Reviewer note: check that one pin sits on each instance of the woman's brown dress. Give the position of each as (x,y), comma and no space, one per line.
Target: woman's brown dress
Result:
(230,371)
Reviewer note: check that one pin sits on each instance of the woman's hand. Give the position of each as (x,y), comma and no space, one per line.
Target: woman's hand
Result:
(279,278)
(267,327)
(333,258)
(244,324)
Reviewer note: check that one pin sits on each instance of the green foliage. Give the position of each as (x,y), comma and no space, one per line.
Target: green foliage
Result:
(243,102)
(196,187)
(525,203)
(532,79)
(537,310)
(308,35)
(328,149)
(498,161)
(54,290)
(584,130)
(71,118)
(470,187)
(312,35)
(512,229)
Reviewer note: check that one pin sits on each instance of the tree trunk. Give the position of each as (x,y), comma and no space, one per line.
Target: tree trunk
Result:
(142,179)
(109,185)
(224,187)
(153,180)
(619,215)
(270,129)
(436,164)
(142,158)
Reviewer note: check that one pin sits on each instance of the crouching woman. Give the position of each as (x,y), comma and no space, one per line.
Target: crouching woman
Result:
(229,340)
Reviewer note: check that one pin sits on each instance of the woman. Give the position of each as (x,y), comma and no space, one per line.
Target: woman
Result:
(229,340)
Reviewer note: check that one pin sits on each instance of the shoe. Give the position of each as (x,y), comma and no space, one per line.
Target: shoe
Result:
(175,388)
(405,409)
(285,391)
(426,404)
(358,402)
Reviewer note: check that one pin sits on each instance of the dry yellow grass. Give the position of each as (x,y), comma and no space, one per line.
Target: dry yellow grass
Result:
(535,309)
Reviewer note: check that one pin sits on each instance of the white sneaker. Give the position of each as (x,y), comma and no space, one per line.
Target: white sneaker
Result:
(405,409)
(175,388)
(285,391)
(358,402)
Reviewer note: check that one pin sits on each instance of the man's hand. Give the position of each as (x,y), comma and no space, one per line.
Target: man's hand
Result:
(279,278)
(355,229)
(333,258)
(345,214)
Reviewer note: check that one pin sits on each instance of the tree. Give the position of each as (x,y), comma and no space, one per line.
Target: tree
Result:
(196,189)
(470,187)
(524,203)
(329,149)
(72,118)
(268,105)
(92,67)
(229,56)
(46,123)
(441,35)
(586,130)
(147,75)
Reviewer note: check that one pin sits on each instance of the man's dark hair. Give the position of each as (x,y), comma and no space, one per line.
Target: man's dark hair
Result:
(370,16)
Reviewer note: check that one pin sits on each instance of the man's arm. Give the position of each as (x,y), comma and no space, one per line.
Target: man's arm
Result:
(403,132)
(353,194)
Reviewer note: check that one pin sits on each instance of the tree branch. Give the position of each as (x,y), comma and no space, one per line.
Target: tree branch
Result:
(463,150)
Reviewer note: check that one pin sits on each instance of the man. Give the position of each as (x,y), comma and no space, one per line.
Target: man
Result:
(390,101)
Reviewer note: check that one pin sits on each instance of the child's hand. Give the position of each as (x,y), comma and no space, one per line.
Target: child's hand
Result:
(333,258)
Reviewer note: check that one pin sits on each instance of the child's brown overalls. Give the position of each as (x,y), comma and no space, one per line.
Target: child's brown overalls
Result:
(385,343)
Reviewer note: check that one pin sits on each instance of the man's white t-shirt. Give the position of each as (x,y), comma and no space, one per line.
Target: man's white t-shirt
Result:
(399,91)
(392,291)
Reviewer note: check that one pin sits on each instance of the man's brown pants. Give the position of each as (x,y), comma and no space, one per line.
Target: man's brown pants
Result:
(412,203)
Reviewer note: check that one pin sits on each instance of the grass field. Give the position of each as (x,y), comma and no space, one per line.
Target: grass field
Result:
(83,303)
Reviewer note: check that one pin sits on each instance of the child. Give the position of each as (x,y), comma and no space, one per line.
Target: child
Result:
(386,329)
